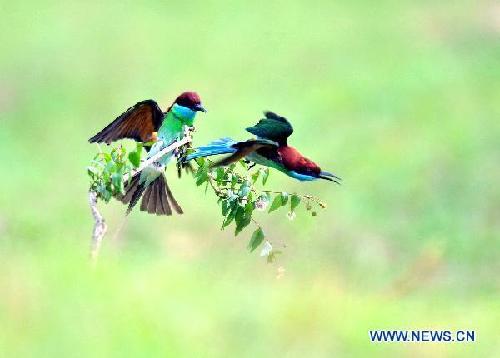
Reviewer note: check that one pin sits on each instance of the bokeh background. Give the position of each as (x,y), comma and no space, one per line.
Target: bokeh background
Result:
(400,98)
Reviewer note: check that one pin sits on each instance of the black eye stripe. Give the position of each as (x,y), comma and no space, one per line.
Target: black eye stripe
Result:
(187,103)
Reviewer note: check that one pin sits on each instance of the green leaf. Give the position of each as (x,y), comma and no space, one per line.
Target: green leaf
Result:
(135,158)
(117,181)
(279,201)
(220,174)
(255,176)
(284,198)
(294,202)
(276,204)
(225,207)
(243,217)
(265,176)
(230,216)
(110,167)
(228,219)
(240,213)
(201,175)
(256,239)
(107,157)
(91,171)
(119,167)
(114,155)
(200,161)
(106,195)
(249,208)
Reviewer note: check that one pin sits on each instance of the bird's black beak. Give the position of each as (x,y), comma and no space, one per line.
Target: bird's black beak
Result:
(199,108)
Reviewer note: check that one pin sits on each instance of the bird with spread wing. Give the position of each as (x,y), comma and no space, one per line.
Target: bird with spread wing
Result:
(146,122)
(270,149)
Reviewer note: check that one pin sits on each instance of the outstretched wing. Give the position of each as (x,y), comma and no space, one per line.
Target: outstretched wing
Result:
(245,148)
(272,127)
(138,123)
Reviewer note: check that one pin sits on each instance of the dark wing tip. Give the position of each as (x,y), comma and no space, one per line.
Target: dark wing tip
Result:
(95,139)
(272,115)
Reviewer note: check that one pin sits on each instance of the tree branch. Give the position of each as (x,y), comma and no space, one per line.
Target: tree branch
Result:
(161,153)
(100,226)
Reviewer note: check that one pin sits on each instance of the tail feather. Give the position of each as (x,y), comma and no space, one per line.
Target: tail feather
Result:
(157,198)
(133,192)
(166,209)
(219,146)
(172,200)
(145,200)
(237,150)
(153,188)
(135,197)
(130,189)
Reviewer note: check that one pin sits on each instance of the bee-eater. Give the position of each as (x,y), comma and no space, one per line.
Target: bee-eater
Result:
(270,149)
(145,122)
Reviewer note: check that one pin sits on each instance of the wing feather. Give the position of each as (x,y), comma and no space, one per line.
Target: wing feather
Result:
(272,127)
(244,149)
(138,123)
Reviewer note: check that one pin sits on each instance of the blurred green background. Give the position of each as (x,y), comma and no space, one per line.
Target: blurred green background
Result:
(400,98)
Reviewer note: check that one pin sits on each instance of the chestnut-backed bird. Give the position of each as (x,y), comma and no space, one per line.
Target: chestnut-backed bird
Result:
(146,122)
(270,149)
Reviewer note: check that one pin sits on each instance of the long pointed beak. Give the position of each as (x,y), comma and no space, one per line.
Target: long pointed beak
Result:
(330,176)
(199,108)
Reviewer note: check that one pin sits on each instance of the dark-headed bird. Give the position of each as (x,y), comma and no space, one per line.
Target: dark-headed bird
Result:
(146,122)
(270,149)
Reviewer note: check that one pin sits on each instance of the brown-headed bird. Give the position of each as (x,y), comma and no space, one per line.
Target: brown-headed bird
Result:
(146,122)
(270,149)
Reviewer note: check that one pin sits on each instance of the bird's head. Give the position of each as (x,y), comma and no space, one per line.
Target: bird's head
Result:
(303,168)
(186,105)
(190,100)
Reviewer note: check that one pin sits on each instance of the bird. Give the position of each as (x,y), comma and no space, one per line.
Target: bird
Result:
(146,122)
(270,149)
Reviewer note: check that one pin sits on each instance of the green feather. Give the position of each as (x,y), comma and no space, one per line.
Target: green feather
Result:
(273,127)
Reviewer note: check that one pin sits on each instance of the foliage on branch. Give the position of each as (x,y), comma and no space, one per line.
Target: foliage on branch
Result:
(108,170)
(239,189)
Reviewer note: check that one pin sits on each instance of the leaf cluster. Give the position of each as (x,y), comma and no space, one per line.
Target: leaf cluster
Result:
(107,170)
(238,187)
(240,193)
